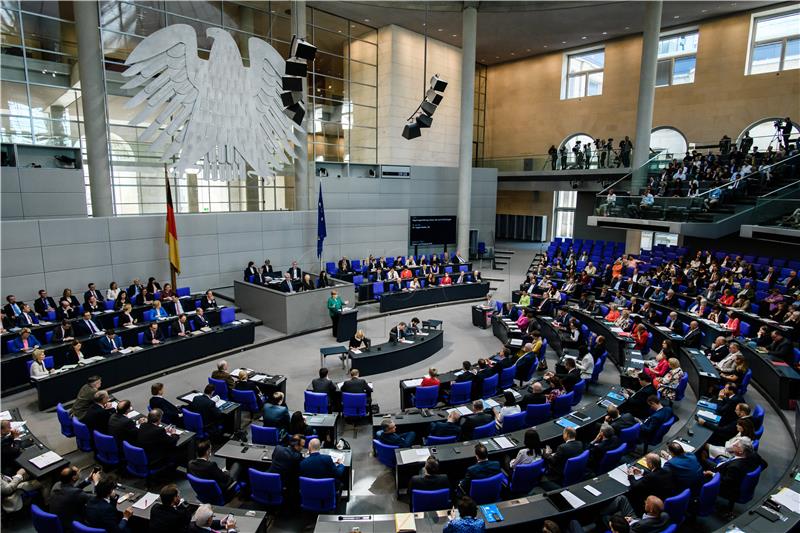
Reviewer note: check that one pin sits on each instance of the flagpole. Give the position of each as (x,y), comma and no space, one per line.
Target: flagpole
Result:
(172,274)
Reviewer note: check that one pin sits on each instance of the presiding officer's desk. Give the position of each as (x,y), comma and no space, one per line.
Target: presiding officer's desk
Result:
(32,448)
(117,368)
(772,375)
(394,355)
(247,521)
(259,456)
(440,294)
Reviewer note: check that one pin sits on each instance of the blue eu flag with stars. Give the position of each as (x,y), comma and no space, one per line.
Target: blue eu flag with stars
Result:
(322,232)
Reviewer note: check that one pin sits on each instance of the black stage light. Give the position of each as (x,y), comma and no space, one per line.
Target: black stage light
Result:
(433,97)
(438,84)
(292,83)
(296,112)
(411,131)
(296,67)
(291,97)
(424,121)
(428,108)
(304,50)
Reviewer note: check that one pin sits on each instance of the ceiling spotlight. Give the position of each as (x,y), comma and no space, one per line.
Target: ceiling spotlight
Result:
(512,53)
(563,42)
(366,20)
(545,46)
(676,17)
(527,49)
(439,29)
(704,11)
(627,27)
(605,33)
(454,35)
(583,38)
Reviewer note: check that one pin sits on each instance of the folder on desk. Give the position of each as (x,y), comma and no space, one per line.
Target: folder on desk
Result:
(491,513)
(404,522)
(707,405)
(708,415)
(46,459)
(616,396)
(564,423)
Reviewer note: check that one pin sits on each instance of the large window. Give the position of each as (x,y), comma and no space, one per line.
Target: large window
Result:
(774,42)
(564,213)
(670,140)
(765,135)
(584,74)
(677,56)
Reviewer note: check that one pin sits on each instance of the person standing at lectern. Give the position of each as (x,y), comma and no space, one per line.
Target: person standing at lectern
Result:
(335,305)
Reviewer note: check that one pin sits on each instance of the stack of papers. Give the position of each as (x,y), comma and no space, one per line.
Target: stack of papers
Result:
(463,410)
(490,403)
(338,457)
(46,459)
(620,474)
(146,501)
(503,442)
(414,455)
(688,448)
(5,415)
(259,377)
(788,498)
(133,415)
(355,350)
(191,396)
(406,341)
(573,500)
(413,382)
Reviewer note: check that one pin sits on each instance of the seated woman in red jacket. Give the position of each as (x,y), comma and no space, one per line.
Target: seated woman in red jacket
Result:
(661,367)
(446,279)
(640,337)
(431,379)
(727,298)
(733,324)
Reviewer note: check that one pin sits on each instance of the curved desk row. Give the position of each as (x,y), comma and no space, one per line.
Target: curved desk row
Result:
(390,356)
(33,448)
(119,368)
(394,301)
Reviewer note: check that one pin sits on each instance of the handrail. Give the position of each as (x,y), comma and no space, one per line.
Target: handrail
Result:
(792,184)
(629,173)
(737,180)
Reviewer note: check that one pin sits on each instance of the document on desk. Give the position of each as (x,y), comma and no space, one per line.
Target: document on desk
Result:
(46,459)
(573,500)
(615,329)
(414,455)
(591,490)
(338,457)
(421,334)
(413,382)
(404,523)
(406,341)
(146,501)
(5,415)
(708,415)
(126,350)
(463,410)
(490,403)
(789,498)
(235,372)
(620,474)
(191,396)
(259,377)
(219,402)
(687,448)
(314,420)
(503,442)
(638,361)
(129,326)
(133,415)
(19,425)
(355,351)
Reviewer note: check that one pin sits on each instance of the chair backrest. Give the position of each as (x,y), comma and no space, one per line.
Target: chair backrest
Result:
(507,377)
(385,453)
(149,315)
(514,421)
(489,387)
(748,485)
(611,459)
(140,338)
(575,468)
(745,381)
(484,431)
(354,404)
(180,292)
(207,490)
(65,420)
(426,397)
(317,495)
(460,392)
(708,496)
(194,422)
(630,436)
(577,391)
(680,390)
(246,398)
(758,415)
(486,490)
(429,500)
(107,448)
(431,440)
(377,288)
(48,337)
(315,402)
(598,368)
(661,431)
(744,329)
(78,527)
(83,436)
(135,460)
(525,477)
(676,506)
(227,315)
(672,528)
(264,435)
(562,404)
(536,414)
(220,387)
(44,522)
(265,488)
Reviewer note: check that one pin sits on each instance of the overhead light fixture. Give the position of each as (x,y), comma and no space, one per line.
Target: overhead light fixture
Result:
(454,35)
(423,115)
(527,49)
(676,17)
(411,130)
(545,46)
(563,42)
(512,53)
(440,29)
(627,27)
(366,20)
(605,33)
(583,38)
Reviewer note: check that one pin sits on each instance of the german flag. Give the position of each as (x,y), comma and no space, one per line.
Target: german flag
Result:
(171,233)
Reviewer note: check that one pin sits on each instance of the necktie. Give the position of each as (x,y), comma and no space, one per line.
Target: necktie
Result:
(15,308)
(92,329)
(178,308)
(113,343)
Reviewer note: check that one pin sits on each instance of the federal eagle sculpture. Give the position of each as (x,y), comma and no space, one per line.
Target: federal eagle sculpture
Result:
(216,110)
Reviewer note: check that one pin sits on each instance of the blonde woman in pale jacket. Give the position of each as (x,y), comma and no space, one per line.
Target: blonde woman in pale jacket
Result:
(37,367)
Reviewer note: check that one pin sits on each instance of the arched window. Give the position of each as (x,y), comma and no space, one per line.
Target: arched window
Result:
(669,139)
(570,142)
(764,133)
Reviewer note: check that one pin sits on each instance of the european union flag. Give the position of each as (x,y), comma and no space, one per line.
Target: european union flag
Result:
(322,232)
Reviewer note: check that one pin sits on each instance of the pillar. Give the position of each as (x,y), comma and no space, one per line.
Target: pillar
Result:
(647,93)
(633,241)
(252,182)
(93,98)
(304,199)
(469,26)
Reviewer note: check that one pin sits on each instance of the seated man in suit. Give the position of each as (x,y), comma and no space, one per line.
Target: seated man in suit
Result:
(617,420)
(208,301)
(93,305)
(110,343)
(101,511)
(569,449)
(605,441)
(26,318)
(68,499)
(484,372)
(653,520)
(357,385)
(10,448)
(447,428)
(276,414)
(467,374)
(204,468)
(744,459)
(637,402)
(44,304)
(286,463)
(93,292)
(286,285)
(153,334)
(157,441)
(319,466)
(13,308)
(180,328)
(170,514)
(295,272)
(781,347)
(526,360)
(654,480)
(200,320)
(87,326)
(661,413)
(222,374)
(482,468)
(725,429)
(121,426)
(391,437)
(203,405)
(98,414)
(571,377)
(693,336)
(65,311)
(430,478)
(170,413)
(64,332)
(533,395)
(398,332)
(684,467)
(246,385)
(478,418)
(324,385)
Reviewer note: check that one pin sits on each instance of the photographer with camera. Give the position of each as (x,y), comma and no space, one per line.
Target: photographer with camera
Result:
(785,129)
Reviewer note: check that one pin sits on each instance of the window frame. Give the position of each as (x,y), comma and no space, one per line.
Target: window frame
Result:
(566,76)
(755,18)
(567,206)
(672,58)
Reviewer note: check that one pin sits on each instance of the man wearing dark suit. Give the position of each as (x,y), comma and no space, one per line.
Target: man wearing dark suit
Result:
(66,311)
(484,372)
(654,481)
(286,463)
(344,265)
(170,413)
(93,292)
(208,301)
(13,308)
(693,336)
(200,320)
(734,470)
(251,270)
(478,418)
(180,328)
(121,427)
(64,332)
(9,449)
(153,334)
(26,318)
(719,350)
(101,510)
(204,468)
(430,479)
(275,413)
(287,285)
(157,442)
(357,385)
(203,405)
(781,347)
(68,499)
(724,430)
(110,343)
(637,402)
(398,332)
(466,374)
(295,272)
(168,515)
(605,441)
(324,385)
(246,385)
(684,467)
(569,449)
(727,400)
(135,289)
(572,376)
(93,305)
(319,466)
(654,519)
(619,421)
(482,469)
(391,437)
(98,414)
(44,304)
(661,413)
(447,428)
(87,326)
(533,395)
